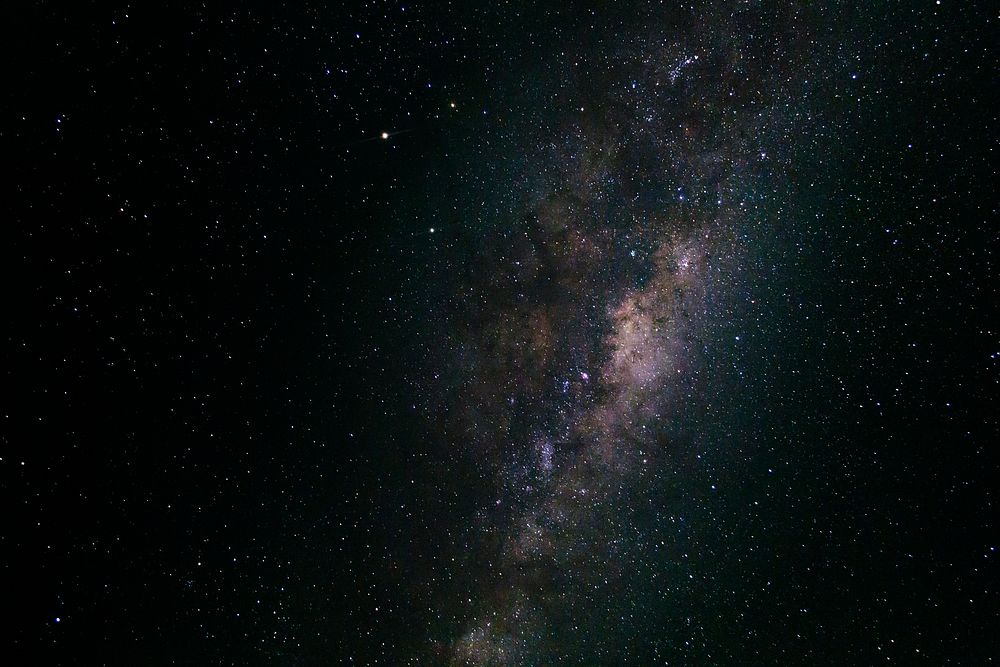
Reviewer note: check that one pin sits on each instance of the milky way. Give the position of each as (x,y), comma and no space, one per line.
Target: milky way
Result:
(584,328)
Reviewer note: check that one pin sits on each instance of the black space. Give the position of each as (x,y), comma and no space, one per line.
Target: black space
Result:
(485,333)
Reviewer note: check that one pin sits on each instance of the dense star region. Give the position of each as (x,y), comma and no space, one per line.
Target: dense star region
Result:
(586,330)
(502,334)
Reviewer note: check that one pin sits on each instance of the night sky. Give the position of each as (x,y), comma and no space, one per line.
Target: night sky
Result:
(501,333)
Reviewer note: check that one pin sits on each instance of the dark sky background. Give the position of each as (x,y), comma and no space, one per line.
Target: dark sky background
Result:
(646,333)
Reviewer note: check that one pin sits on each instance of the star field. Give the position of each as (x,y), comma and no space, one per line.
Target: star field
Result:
(502,334)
